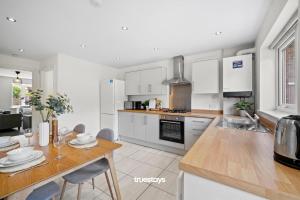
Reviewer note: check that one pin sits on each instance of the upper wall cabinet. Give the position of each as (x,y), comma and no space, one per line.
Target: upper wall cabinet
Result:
(132,83)
(146,82)
(237,73)
(205,77)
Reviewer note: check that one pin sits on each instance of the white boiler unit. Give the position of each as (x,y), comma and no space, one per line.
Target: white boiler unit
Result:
(112,99)
(237,73)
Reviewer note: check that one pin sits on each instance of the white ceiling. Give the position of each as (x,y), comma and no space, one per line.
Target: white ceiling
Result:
(44,28)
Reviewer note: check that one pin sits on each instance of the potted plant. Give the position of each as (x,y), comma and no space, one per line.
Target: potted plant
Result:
(16,94)
(243,106)
(55,105)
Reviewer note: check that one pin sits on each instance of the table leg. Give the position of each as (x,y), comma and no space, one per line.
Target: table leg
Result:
(111,164)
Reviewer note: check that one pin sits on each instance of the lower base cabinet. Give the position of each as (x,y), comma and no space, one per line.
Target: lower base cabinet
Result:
(195,187)
(139,126)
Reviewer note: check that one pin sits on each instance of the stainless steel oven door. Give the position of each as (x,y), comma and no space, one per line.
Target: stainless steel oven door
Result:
(171,130)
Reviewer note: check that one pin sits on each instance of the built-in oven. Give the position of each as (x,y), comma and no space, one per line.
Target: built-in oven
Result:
(171,128)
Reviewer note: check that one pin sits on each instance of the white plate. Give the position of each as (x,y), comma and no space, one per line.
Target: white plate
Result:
(5,162)
(77,142)
(4,139)
(12,142)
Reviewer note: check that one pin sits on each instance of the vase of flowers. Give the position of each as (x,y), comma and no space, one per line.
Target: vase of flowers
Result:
(55,105)
(242,106)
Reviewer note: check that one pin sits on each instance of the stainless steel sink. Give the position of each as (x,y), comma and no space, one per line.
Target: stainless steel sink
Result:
(242,124)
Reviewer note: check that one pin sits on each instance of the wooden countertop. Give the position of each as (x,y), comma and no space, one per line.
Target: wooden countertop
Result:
(241,159)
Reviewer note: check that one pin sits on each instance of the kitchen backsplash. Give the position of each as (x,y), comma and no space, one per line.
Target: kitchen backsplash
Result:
(164,99)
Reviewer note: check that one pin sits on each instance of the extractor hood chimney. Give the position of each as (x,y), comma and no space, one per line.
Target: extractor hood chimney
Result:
(178,77)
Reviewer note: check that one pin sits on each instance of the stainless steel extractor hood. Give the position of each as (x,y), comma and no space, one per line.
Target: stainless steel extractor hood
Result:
(178,77)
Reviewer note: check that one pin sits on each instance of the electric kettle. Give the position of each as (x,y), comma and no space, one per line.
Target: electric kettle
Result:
(287,141)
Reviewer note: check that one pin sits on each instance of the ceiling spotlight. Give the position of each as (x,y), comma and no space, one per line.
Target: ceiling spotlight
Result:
(11,19)
(83,46)
(21,50)
(124,28)
(218,33)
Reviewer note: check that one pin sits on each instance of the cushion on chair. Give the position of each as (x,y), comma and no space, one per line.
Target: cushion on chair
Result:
(79,128)
(45,192)
(88,172)
(107,134)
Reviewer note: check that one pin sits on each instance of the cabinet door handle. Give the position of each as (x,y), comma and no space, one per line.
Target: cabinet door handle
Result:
(150,88)
(195,129)
(194,134)
(202,122)
(193,85)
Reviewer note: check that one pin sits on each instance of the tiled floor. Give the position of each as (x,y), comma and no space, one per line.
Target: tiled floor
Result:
(135,161)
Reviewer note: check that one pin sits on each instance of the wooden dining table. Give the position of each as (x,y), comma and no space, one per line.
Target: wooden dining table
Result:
(19,186)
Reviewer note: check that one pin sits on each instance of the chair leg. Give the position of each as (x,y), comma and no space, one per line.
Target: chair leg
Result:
(109,186)
(63,190)
(93,183)
(79,191)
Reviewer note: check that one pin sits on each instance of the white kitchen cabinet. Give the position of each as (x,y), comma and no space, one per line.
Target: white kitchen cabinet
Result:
(139,126)
(152,128)
(132,83)
(146,82)
(207,189)
(237,73)
(205,77)
(125,121)
(193,129)
(151,81)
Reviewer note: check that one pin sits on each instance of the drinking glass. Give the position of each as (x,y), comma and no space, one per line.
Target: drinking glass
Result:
(28,133)
(58,143)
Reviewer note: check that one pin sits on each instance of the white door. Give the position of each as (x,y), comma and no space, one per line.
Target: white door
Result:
(47,82)
(139,126)
(205,77)
(152,128)
(132,83)
(125,124)
(107,97)
(151,81)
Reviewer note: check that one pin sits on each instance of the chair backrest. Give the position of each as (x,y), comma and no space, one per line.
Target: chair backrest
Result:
(79,128)
(107,134)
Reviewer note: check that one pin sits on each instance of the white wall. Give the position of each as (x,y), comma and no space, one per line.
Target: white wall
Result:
(80,80)
(298,62)
(11,62)
(203,101)
(5,93)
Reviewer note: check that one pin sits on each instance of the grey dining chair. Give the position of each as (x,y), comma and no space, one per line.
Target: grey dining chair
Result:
(46,192)
(90,171)
(79,128)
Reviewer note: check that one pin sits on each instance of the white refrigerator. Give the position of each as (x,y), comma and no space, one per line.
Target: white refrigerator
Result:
(112,97)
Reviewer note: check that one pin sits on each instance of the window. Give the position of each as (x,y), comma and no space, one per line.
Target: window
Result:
(286,76)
